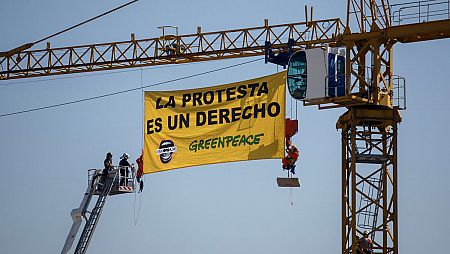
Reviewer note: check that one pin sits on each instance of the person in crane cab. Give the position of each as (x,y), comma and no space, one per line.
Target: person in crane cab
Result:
(124,172)
(291,157)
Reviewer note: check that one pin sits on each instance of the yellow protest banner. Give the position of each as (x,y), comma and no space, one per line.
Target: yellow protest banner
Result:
(234,122)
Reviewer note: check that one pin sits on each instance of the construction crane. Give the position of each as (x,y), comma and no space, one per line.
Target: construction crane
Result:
(372,93)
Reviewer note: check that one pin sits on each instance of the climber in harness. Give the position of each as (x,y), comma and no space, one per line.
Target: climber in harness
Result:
(140,171)
(291,157)
(292,153)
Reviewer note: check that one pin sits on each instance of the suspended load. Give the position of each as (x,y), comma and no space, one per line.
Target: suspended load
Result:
(288,162)
(316,73)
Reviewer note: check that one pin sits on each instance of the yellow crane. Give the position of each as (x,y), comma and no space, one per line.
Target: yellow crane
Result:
(372,99)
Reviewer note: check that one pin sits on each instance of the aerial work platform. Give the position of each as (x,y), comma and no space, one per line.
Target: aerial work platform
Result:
(121,184)
(101,185)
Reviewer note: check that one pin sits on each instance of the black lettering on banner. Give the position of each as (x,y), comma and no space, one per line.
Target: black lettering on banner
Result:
(207,116)
(154,122)
(242,90)
(200,118)
(170,103)
(270,111)
(186,98)
(212,115)
(230,93)
(259,109)
(197,99)
(184,120)
(158,103)
(219,95)
(178,121)
(150,126)
(235,114)
(263,89)
(209,100)
(253,87)
(223,115)
(246,114)
(172,124)
(158,124)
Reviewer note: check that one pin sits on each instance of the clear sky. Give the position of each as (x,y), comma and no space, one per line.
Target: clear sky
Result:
(226,208)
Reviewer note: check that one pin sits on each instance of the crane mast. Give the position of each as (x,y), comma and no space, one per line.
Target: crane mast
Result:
(369,127)
(369,131)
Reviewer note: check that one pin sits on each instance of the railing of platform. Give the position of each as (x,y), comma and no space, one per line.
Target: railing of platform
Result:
(420,11)
(124,178)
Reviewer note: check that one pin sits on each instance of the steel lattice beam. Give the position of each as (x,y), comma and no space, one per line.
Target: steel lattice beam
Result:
(369,178)
(169,49)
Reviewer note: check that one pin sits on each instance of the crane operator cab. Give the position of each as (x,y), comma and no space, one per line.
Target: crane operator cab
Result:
(122,183)
(316,73)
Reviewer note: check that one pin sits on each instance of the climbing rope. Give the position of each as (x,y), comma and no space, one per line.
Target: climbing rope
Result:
(136,215)
(291,200)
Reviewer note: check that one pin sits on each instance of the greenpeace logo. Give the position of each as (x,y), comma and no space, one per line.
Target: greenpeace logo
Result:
(166,150)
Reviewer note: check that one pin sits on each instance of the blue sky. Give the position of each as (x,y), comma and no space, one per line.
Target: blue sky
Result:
(225,208)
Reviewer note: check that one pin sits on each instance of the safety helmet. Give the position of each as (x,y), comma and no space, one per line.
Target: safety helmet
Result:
(125,156)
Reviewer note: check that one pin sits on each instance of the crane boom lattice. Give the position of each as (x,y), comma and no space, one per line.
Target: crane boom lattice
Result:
(167,49)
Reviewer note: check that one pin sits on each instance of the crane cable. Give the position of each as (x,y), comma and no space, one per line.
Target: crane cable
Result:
(31,44)
(86,21)
(291,114)
(136,216)
(3,83)
(127,90)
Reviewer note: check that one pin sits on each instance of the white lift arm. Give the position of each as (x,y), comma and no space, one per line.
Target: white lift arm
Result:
(78,213)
